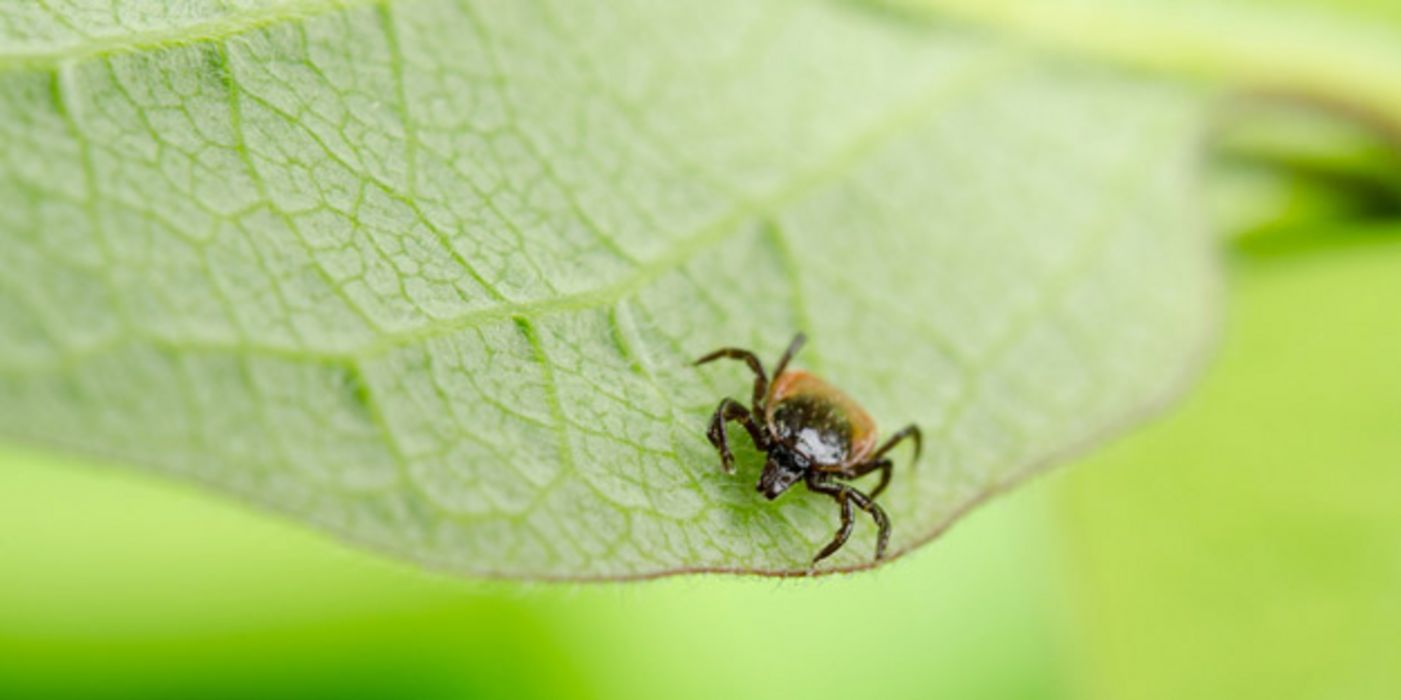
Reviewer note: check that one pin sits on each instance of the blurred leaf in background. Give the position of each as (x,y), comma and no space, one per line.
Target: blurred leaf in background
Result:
(1343,52)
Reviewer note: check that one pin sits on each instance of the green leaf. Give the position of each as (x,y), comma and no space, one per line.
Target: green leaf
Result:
(429,275)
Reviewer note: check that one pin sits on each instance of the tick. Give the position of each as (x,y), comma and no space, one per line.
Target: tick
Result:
(810,431)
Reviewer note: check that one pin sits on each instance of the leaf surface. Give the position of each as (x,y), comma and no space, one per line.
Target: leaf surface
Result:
(429,275)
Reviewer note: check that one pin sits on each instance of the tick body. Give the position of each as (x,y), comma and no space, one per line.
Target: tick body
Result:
(813,433)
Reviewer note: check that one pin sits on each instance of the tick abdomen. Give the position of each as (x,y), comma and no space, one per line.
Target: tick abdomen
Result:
(819,420)
(813,427)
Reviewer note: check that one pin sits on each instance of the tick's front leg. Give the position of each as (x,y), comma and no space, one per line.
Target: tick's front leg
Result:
(731,410)
(761,380)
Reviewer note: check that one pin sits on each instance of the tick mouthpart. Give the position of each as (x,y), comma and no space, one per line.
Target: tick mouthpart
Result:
(774,480)
(768,490)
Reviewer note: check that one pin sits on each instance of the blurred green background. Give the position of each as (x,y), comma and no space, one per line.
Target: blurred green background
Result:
(1247,545)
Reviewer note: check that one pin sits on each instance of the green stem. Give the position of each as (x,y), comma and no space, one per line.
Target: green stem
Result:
(1316,53)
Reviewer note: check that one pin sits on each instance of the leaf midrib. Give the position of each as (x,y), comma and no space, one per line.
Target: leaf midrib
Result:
(896,122)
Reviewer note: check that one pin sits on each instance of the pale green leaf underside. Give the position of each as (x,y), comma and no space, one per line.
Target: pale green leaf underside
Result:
(429,274)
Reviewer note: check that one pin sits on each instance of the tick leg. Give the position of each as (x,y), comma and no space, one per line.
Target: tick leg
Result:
(761,380)
(865,503)
(885,468)
(910,431)
(856,471)
(840,493)
(883,465)
(847,495)
(731,410)
(788,354)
